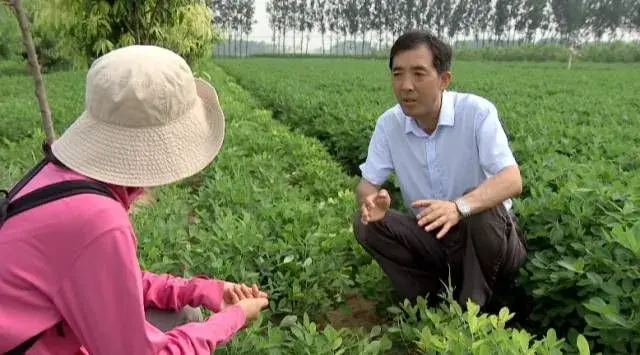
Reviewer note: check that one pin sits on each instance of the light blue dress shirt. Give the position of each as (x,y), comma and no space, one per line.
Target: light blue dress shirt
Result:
(468,145)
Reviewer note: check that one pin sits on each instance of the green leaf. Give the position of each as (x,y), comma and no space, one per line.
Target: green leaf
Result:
(477,343)
(573,265)
(288,321)
(375,331)
(337,343)
(595,278)
(583,345)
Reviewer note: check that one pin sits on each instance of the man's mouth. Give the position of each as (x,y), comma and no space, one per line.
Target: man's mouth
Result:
(408,101)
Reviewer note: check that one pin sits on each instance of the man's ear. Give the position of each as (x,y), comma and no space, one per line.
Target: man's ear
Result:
(445,80)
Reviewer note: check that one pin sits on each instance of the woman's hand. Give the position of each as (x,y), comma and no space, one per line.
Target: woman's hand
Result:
(233,293)
(253,306)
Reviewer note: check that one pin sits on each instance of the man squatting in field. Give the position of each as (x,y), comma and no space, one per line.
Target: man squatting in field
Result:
(457,176)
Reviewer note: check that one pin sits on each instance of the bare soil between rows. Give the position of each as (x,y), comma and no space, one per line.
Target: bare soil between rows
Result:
(357,312)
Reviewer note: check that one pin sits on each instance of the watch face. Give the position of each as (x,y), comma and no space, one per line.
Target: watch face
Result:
(464,209)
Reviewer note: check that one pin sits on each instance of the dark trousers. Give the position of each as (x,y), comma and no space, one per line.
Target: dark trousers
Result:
(476,254)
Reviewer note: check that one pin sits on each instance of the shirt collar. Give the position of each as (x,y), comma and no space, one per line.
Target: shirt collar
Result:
(446,118)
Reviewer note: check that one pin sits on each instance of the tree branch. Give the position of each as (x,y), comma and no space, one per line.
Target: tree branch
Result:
(27,41)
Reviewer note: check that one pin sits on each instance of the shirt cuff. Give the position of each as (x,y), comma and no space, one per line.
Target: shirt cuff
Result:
(210,292)
(371,178)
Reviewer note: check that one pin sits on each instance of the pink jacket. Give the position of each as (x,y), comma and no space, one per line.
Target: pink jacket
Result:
(75,259)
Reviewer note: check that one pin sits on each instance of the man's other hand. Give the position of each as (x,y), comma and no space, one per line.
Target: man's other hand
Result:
(436,214)
(375,206)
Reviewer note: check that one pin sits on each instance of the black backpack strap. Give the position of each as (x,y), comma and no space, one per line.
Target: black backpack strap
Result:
(48,194)
(22,348)
(48,155)
(9,195)
(20,184)
(54,192)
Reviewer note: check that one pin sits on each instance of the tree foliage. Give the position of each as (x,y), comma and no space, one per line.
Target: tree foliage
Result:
(84,30)
(10,44)
(236,19)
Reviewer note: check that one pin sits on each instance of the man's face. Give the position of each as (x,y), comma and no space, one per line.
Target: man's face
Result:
(416,82)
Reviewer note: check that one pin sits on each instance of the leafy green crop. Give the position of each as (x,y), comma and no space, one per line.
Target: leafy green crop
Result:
(574,133)
(274,208)
(470,332)
(20,113)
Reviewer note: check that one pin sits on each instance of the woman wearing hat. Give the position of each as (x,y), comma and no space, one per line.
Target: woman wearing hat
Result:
(70,281)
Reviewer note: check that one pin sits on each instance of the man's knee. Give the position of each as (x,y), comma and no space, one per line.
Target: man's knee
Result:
(360,230)
(494,231)
(495,220)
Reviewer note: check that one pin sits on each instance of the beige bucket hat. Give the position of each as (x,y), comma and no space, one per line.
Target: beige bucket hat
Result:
(147,121)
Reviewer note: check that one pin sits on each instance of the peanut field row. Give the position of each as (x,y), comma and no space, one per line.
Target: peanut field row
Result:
(575,134)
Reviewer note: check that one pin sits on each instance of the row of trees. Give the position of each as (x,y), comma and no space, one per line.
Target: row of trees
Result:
(236,18)
(82,30)
(501,21)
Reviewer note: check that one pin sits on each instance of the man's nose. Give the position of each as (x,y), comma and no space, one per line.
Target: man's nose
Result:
(406,84)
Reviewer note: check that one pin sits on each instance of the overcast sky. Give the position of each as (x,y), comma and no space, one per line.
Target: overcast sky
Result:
(261,28)
(262,31)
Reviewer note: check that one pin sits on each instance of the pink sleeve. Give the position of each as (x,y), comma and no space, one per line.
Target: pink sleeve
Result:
(102,301)
(171,292)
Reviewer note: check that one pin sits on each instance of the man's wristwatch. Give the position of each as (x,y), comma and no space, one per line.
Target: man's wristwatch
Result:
(463,208)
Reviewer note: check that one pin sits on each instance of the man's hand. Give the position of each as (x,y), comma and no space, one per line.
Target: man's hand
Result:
(234,293)
(437,213)
(375,206)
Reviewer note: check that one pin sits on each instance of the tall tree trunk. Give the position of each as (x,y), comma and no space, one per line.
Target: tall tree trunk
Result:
(355,44)
(545,35)
(274,39)
(284,37)
(344,43)
(27,41)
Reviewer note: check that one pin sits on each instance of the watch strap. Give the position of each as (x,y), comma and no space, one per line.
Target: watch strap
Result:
(462,207)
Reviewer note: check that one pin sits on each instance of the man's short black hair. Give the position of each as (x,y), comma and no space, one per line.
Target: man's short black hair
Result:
(440,50)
